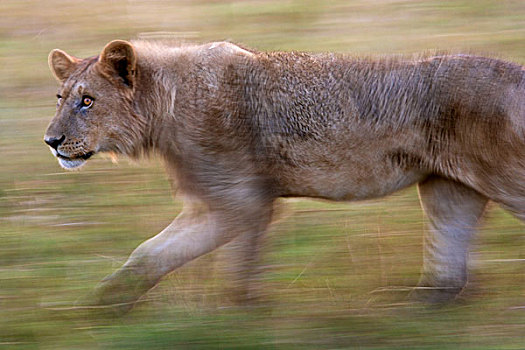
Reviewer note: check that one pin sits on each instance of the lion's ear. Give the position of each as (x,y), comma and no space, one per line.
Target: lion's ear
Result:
(61,64)
(118,59)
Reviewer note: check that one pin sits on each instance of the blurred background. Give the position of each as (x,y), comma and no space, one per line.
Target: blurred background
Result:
(335,275)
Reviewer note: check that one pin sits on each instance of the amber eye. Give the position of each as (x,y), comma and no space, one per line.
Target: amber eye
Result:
(87,101)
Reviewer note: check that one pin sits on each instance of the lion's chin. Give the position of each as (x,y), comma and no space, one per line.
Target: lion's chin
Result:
(70,164)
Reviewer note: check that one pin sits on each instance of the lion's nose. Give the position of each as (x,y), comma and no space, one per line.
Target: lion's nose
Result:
(54,142)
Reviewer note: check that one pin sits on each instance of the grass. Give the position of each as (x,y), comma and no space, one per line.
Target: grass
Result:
(334,274)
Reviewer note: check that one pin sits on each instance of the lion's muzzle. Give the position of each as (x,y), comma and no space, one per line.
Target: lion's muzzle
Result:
(54,142)
(66,159)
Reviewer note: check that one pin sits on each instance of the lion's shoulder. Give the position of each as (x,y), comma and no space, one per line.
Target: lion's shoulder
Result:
(228,48)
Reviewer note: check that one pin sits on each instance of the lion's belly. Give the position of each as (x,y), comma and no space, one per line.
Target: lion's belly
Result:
(369,175)
(345,186)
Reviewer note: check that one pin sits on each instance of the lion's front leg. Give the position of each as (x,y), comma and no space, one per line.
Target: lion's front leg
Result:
(189,236)
(453,211)
(243,257)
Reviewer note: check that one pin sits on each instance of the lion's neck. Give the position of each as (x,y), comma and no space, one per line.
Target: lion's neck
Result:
(155,95)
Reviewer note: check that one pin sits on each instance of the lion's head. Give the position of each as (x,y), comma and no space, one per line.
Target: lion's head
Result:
(95,104)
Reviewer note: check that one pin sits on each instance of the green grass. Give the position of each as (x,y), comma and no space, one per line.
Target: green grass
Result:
(334,274)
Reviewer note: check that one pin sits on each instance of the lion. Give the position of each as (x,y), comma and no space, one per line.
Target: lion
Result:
(238,128)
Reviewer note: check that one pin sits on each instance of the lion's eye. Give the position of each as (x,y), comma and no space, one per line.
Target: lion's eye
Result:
(87,101)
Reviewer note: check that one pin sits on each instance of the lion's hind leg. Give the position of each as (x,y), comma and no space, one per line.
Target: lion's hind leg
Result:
(453,211)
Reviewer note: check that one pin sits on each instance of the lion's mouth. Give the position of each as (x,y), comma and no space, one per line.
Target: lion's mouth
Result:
(84,156)
(73,162)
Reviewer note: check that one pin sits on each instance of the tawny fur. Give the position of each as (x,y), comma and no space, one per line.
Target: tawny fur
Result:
(238,128)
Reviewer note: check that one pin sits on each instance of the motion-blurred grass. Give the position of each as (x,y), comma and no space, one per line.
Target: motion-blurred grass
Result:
(334,274)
